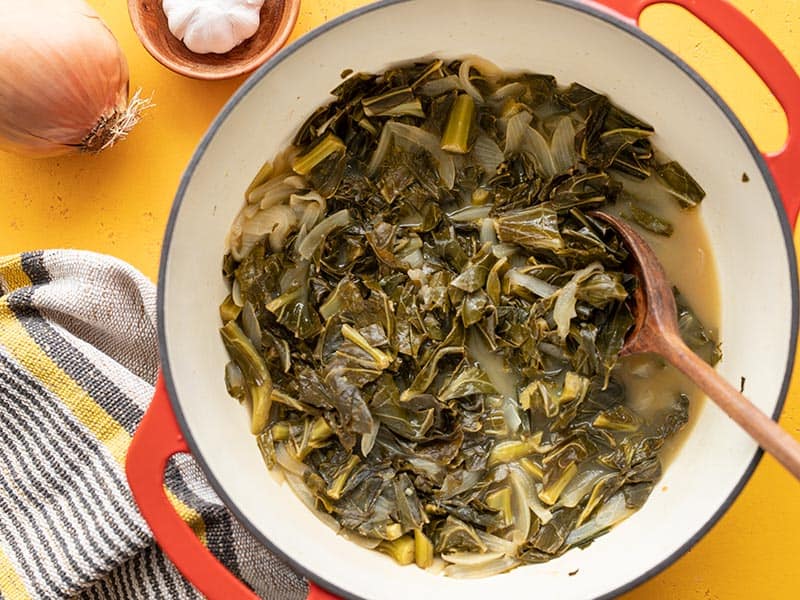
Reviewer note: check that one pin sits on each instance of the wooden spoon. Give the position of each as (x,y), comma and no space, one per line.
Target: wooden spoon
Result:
(656,330)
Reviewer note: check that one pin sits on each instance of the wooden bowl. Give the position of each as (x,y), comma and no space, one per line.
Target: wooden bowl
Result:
(278,18)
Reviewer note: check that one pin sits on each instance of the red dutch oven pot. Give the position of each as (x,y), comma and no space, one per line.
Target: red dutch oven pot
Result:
(602,47)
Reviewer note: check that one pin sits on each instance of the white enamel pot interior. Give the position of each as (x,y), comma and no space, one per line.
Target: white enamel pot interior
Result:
(752,245)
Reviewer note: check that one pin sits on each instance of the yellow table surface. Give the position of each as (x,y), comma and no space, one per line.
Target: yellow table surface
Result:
(118,202)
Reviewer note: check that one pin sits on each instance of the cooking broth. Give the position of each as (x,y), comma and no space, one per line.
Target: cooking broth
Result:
(688,260)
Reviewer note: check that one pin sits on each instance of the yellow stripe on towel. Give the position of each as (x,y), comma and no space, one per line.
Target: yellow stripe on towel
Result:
(11,585)
(12,275)
(103,426)
(27,352)
(189,515)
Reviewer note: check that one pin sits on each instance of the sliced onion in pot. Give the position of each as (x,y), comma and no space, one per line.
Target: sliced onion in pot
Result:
(316,236)
(511,415)
(537,147)
(533,284)
(510,90)
(302,491)
(236,293)
(380,152)
(487,154)
(440,86)
(562,145)
(250,324)
(612,512)
(564,309)
(486,68)
(486,569)
(275,191)
(471,558)
(470,213)
(488,232)
(580,486)
(519,506)
(496,544)
(289,462)
(522,138)
(516,129)
(308,208)
(530,492)
(276,222)
(362,540)
(368,439)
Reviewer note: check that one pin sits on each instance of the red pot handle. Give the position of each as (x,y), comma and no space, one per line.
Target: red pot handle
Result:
(767,61)
(158,438)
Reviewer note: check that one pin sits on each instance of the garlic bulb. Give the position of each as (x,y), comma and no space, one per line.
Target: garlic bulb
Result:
(63,80)
(213,25)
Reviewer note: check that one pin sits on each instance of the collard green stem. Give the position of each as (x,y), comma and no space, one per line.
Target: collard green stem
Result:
(459,124)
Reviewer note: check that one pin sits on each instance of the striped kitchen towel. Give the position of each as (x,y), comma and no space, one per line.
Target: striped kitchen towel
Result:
(78,360)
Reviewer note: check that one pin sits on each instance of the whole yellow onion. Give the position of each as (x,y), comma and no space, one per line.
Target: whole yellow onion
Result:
(63,80)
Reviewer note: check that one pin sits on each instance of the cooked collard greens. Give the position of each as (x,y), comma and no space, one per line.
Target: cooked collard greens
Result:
(426,322)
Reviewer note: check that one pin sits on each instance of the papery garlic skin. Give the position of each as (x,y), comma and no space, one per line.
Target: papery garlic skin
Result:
(216,26)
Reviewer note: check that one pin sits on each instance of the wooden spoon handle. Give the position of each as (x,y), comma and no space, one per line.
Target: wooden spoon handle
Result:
(770,436)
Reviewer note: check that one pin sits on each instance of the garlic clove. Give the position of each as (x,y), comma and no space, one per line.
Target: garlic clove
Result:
(216,36)
(245,21)
(179,15)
